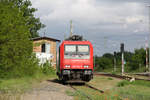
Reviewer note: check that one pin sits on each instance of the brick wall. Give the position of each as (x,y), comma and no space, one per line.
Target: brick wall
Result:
(37,48)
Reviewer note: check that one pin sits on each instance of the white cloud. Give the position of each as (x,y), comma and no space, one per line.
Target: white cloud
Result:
(83,9)
(87,11)
(93,15)
(135,19)
(98,17)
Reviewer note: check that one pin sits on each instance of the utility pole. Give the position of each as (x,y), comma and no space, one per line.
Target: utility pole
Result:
(122,60)
(64,36)
(105,42)
(149,37)
(44,34)
(146,47)
(114,61)
(71,28)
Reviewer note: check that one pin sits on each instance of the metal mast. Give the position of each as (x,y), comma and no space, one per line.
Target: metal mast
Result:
(71,28)
(149,37)
(146,47)
(114,61)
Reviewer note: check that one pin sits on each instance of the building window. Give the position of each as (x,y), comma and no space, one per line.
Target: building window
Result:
(43,48)
(46,48)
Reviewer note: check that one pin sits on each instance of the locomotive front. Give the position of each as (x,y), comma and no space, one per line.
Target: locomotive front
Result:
(75,60)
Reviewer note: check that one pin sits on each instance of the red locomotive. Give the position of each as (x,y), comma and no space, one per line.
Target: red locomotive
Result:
(75,59)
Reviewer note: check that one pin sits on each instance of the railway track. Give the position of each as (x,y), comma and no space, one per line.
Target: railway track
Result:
(82,93)
(89,86)
(85,94)
(142,74)
(126,77)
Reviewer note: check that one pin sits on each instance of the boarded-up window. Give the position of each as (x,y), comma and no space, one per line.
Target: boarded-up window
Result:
(48,48)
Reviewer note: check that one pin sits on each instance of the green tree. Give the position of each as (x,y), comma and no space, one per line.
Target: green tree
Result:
(103,63)
(32,22)
(109,55)
(15,45)
(138,59)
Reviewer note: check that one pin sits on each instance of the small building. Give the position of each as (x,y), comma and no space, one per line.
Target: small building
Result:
(45,49)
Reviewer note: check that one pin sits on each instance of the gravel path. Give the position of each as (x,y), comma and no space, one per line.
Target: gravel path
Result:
(48,90)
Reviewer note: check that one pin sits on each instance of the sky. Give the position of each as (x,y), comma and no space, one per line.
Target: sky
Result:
(106,23)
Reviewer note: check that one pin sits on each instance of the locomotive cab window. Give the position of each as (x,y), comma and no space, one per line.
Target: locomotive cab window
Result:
(77,52)
(70,49)
(83,49)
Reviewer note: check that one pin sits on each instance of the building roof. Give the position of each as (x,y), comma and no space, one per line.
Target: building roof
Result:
(47,38)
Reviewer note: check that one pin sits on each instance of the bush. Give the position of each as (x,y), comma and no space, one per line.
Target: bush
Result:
(47,69)
(123,83)
(26,67)
(103,63)
(113,73)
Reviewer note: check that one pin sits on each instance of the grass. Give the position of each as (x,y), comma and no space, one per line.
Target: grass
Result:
(20,85)
(134,92)
(12,89)
(137,82)
(103,82)
(115,89)
(94,95)
(109,78)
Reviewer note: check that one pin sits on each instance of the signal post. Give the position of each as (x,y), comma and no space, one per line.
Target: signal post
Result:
(122,60)
(114,61)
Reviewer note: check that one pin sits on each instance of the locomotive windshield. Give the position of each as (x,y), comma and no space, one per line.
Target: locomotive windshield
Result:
(70,49)
(83,49)
(77,52)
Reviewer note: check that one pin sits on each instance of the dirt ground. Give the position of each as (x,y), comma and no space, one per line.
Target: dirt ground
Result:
(48,90)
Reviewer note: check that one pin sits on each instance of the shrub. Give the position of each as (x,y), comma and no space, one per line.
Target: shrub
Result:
(48,69)
(123,83)
(109,78)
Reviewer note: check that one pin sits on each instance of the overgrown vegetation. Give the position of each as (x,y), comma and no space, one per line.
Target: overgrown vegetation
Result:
(18,65)
(134,61)
(137,90)
(137,82)
(47,69)
(114,89)
(18,25)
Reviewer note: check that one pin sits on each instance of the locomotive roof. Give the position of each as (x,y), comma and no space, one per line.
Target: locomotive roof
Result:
(76,42)
(75,38)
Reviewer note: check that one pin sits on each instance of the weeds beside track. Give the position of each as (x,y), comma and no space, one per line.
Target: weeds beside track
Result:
(82,93)
(124,77)
(88,96)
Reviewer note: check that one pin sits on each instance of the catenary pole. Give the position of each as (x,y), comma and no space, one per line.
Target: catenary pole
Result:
(114,61)
(71,28)
(146,49)
(149,36)
(122,63)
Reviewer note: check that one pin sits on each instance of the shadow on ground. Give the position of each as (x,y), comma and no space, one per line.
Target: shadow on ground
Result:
(73,83)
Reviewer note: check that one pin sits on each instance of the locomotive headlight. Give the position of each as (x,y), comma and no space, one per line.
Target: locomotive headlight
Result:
(67,66)
(86,66)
